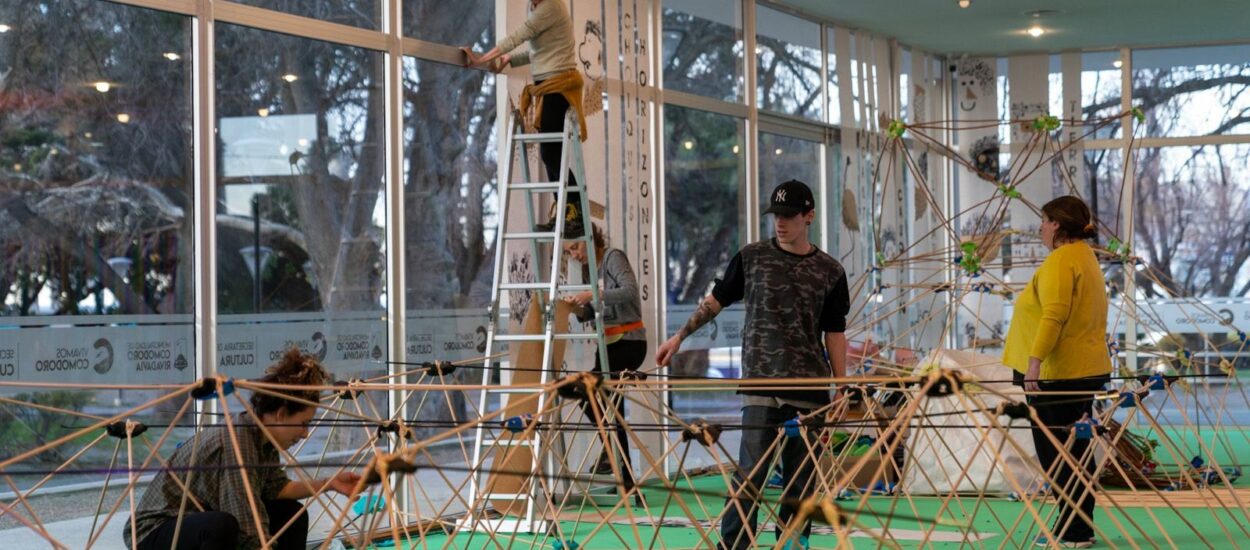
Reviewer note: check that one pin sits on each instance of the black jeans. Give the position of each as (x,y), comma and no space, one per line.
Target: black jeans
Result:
(1059,412)
(220,531)
(552,120)
(623,355)
(797,468)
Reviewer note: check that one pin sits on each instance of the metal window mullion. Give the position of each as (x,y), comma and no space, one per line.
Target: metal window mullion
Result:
(1126,204)
(205,194)
(396,287)
(298,25)
(825,141)
(750,196)
(182,7)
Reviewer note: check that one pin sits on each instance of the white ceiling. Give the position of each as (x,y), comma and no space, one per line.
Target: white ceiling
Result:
(996,27)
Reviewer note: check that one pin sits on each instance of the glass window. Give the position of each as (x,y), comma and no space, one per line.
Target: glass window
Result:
(704,173)
(450,228)
(1101,88)
(1192,211)
(703,45)
(831,61)
(1103,191)
(96,235)
(300,221)
(1193,91)
(1054,80)
(787,51)
(459,23)
(357,13)
(783,158)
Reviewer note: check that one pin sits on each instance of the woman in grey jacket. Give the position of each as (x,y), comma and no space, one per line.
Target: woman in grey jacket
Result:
(622,322)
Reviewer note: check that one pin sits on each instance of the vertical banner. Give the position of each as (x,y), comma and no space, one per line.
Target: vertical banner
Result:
(1073,159)
(979,315)
(855,231)
(890,183)
(638,125)
(614,52)
(927,194)
(1027,76)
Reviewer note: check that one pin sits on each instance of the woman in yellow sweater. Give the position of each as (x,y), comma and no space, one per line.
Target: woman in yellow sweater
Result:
(1058,343)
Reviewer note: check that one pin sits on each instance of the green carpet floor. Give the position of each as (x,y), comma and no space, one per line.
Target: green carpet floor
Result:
(995,522)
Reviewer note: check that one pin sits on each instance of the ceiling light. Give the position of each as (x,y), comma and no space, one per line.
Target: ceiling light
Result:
(123,118)
(262,112)
(965,3)
(102,86)
(1036,30)
(4,28)
(688,145)
(1117,63)
(778,151)
(290,77)
(736,149)
(171,56)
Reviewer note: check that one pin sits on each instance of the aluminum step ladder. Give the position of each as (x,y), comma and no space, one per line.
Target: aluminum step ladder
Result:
(489,434)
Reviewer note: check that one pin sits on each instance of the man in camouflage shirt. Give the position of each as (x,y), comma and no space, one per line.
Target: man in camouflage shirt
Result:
(796,300)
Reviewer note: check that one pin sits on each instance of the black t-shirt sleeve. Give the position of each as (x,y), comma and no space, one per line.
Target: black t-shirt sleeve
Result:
(733,287)
(837,305)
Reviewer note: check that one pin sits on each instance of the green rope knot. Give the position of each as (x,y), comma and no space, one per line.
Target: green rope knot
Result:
(1009,190)
(881,261)
(1046,123)
(970,261)
(1120,249)
(896,129)
(1138,114)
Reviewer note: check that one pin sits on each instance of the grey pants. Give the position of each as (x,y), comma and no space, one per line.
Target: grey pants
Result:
(762,426)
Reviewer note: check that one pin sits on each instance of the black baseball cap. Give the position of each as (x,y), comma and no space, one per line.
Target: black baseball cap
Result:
(791,198)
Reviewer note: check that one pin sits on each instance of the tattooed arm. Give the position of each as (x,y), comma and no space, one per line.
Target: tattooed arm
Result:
(707,310)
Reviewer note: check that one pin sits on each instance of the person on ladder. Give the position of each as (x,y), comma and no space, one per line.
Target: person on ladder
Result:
(624,333)
(557,86)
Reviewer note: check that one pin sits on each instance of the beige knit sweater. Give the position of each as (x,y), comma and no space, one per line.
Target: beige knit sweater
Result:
(549,31)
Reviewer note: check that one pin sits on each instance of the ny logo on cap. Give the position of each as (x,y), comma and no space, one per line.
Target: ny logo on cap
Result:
(781,196)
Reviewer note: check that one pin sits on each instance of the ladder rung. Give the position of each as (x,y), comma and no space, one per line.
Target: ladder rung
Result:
(542,286)
(507,442)
(547,137)
(540,186)
(541,337)
(514,390)
(506,496)
(540,235)
(578,336)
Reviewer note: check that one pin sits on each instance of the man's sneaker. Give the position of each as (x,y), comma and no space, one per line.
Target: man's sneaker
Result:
(1043,541)
(775,481)
(803,544)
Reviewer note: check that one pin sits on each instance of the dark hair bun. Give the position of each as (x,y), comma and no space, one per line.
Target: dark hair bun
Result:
(1091,231)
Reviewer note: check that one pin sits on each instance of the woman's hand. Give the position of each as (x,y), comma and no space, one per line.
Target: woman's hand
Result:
(470,58)
(343,483)
(1034,375)
(580,299)
(500,63)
